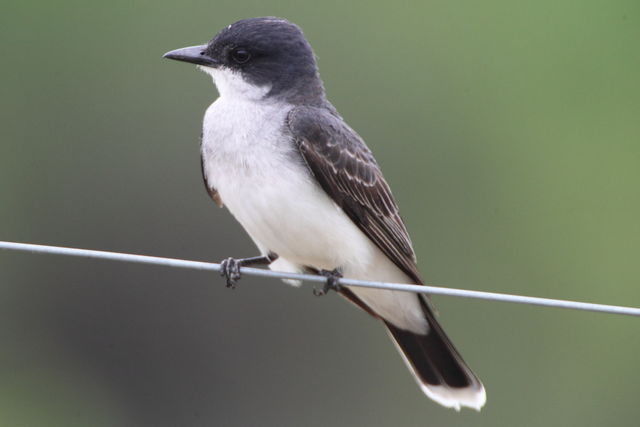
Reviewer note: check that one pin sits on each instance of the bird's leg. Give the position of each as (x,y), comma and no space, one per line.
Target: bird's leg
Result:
(230,267)
(333,277)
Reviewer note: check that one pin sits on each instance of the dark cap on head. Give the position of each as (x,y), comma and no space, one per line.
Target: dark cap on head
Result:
(266,51)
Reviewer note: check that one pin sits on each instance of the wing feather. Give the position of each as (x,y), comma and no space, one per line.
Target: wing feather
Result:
(347,171)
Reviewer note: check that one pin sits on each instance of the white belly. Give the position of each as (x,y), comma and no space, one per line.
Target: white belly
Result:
(264,183)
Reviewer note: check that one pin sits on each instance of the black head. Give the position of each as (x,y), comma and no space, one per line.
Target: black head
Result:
(267,52)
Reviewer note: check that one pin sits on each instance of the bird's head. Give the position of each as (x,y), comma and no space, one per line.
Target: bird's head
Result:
(258,58)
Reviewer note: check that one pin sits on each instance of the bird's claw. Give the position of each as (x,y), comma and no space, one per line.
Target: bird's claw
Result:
(331,284)
(230,270)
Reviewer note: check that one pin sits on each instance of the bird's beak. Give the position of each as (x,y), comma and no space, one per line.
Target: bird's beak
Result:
(192,54)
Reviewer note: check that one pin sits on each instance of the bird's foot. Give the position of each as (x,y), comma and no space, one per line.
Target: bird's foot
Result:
(331,284)
(230,270)
(230,267)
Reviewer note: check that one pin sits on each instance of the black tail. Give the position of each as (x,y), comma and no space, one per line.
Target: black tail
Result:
(438,367)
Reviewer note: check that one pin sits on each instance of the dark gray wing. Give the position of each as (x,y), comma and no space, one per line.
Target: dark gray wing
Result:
(345,168)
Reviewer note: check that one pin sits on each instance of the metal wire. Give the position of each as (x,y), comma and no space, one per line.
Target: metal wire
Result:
(432,290)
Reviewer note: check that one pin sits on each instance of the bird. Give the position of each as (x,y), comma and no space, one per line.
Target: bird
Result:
(308,191)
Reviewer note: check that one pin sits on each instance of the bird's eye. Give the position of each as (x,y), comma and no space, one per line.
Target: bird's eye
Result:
(240,55)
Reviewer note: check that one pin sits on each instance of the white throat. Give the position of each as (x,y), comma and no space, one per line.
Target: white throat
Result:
(231,84)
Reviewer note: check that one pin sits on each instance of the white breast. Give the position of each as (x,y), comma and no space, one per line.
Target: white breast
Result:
(253,163)
(261,178)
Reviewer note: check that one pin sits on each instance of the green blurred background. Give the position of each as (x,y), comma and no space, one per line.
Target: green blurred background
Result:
(509,131)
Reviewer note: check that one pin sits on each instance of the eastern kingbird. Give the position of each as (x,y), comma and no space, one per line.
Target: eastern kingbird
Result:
(307,189)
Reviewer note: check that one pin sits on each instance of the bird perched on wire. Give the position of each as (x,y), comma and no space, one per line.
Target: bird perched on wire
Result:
(308,191)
